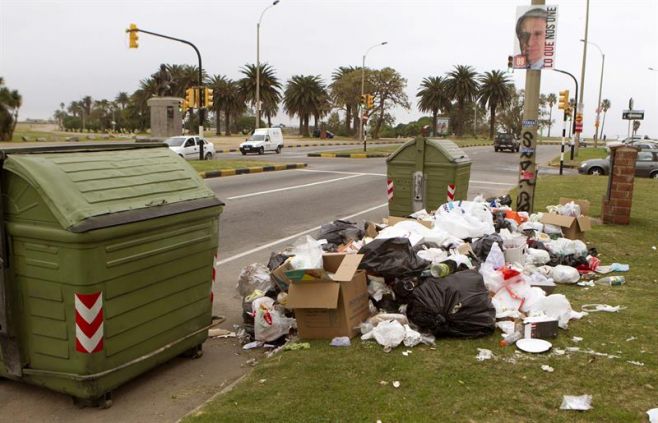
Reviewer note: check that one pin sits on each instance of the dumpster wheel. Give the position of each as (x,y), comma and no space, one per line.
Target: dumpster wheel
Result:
(103,402)
(194,352)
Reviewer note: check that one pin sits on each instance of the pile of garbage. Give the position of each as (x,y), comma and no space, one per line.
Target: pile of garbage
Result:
(460,271)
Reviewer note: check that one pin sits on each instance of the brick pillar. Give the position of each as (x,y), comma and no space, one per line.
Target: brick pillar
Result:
(618,200)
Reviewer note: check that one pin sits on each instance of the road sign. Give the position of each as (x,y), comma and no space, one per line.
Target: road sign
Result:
(578,126)
(632,115)
(630,103)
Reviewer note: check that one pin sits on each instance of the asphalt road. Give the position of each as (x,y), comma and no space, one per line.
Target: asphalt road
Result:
(264,213)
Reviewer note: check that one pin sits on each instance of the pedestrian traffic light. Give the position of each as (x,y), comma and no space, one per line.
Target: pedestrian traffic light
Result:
(208,98)
(563,103)
(510,62)
(190,98)
(370,100)
(133,37)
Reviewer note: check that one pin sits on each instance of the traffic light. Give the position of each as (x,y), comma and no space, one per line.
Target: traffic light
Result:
(133,36)
(370,100)
(510,62)
(208,98)
(190,98)
(563,103)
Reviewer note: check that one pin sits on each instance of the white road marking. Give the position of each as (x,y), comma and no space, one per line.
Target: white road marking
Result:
(293,187)
(297,235)
(340,173)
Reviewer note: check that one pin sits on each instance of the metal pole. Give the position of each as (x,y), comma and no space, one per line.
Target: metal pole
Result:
(564,133)
(527,160)
(363,81)
(573,119)
(582,74)
(257,124)
(598,110)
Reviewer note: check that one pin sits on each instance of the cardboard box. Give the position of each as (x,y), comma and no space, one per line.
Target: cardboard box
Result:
(540,327)
(392,220)
(572,227)
(328,306)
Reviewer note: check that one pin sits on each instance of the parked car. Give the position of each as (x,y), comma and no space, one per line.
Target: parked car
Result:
(644,144)
(646,165)
(317,133)
(506,141)
(188,147)
(262,140)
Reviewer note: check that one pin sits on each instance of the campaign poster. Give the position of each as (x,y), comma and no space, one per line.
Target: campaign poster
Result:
(535,37)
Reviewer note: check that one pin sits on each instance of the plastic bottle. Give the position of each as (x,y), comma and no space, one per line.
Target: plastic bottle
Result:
(611,281)
(440,270)
(514,336)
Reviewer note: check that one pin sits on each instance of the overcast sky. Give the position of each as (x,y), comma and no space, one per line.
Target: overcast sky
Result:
(61,50)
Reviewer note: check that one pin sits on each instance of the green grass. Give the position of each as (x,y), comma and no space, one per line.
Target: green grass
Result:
(32,135)
(448,384)
(583,154)
(204,165)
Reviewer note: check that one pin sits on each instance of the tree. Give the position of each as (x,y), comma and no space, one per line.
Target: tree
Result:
(270,89)
(433,98)
(511,116)
(605,105)
(388,88)
(227,98)
(461,86)
(551,99)
(343,87)
(10,102)
(494,91)
(183,77)
(122,99)
(303,96)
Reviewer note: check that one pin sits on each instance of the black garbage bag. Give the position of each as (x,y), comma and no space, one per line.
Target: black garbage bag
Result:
(340,232)
(483,245)
(457,305)
(387,304)
(500,222)
(404,287)
(276,260)
(391,257)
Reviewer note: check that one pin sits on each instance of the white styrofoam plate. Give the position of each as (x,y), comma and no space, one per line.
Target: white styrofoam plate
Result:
(532,345)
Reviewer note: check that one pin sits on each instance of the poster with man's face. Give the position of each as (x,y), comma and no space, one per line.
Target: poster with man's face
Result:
(534,40)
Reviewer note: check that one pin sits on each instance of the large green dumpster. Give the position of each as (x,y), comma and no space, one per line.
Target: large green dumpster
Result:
(108,255)
(425,173)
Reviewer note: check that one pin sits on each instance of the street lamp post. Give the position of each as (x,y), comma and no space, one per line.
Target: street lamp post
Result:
(363,82)
(258,61)
(579,106)
(598,107)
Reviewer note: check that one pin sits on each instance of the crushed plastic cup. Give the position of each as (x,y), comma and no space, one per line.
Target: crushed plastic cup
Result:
(580,403)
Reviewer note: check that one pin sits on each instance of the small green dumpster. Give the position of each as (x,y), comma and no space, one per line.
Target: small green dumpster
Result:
(425,173)
(107,256)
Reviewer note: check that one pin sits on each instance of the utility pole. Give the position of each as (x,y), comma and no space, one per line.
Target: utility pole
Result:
(579,106)
(527,165)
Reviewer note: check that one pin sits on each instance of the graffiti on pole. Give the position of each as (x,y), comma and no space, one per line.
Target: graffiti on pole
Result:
(528,177)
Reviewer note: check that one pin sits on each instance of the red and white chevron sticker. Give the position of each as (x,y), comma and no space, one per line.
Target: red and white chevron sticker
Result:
(451,192)
(389,189)
(89,322)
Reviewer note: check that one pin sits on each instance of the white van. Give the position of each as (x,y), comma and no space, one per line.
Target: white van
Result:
(262,140)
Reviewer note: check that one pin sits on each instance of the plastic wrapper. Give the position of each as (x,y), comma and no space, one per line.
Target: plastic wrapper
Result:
(253,277)
(555,306)
(580,403)
(433,255)
(307,253)
(457,305)
(269,322)
(377,288)
(340,232)
(412,230)
(495,258)
(391,257)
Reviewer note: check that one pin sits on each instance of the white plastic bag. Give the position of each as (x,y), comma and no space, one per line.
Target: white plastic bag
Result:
(570,209)
(581,403)
(493,279)
(555,306)
(269,322)
(411,337)
(307,253)
(253,277)
(496,258)
(377,288)
(388,334)
(565,274)
(537,257)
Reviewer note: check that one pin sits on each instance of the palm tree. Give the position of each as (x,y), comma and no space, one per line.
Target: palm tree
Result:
(270,94)
(433,98)
(302,97)
(184,77)
(122,99)
(551,99)
(494,92)
(10,102)
(605,105)
(461,86)
(338,94)
(227,98)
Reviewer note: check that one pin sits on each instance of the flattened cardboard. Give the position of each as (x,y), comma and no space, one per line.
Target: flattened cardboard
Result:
(392,220)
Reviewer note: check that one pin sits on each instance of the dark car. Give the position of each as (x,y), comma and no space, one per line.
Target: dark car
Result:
(317,134)
(646,165)
(505,141)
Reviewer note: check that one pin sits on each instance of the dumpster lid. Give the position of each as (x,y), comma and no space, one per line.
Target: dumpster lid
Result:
(449,149)
(90,189)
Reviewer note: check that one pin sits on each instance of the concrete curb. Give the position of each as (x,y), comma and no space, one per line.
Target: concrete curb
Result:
(245,170)
(237,150)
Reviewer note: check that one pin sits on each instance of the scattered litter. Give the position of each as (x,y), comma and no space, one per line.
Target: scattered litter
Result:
(576,339)
(220,333)
(534,346)
(406,353)
(547,368)
(653,248)
(396,384)
(383,382)
(632,338)
(340,341)
(635,363)
(653,413)
(484,354)
(295,346)
(590,308)
(252,345)
(262,381)
(251,362)
(611,281)
(586,283)
(559,351)
(580,403)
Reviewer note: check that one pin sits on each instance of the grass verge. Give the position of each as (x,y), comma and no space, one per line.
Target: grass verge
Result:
(448,384)
(583,154)
(205,165)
